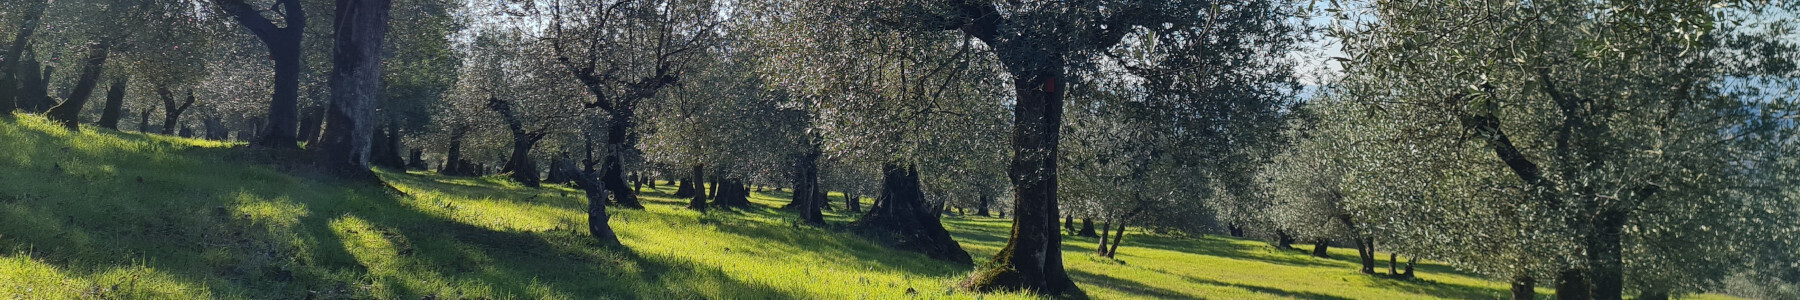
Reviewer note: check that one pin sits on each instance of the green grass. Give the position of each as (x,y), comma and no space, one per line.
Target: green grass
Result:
(104,214)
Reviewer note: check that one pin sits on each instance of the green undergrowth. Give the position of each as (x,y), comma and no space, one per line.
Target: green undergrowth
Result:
(105,214)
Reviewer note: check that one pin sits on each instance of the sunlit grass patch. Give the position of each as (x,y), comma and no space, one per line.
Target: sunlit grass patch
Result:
(170,218)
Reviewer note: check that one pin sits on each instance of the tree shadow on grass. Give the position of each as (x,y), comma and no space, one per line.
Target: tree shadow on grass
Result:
(534,264)
(1265,290)
(833,241)
(1084,278)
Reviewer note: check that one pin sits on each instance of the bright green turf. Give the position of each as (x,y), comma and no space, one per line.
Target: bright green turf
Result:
(208,222)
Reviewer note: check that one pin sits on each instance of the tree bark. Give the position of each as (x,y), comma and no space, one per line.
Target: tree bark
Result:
(986,200)
(115,103)
(34,90)
(1234,230)
(1393,264)
(1069,224)
(619,140)
(171,111)
(1523,288)
(1118,238)
(284,48)
(1087,227)
(1283,240)
(355,81)
(684,188)
(1105,233)
(311,124)
(386,150)
(806,198)
(699,200)
(1321,248)
(902,216)
(1410,261)
(523,170)
(1365,249)
(596,195)
(1032,257)
(9,65)
(69,112)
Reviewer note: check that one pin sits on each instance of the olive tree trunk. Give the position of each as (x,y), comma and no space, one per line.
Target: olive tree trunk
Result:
(9,64)
(698,202)
(596,209)
(901,217)
(69,112)
(115,103)
(171,111)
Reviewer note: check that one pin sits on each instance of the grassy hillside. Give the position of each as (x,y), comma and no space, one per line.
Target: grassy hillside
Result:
(104,214)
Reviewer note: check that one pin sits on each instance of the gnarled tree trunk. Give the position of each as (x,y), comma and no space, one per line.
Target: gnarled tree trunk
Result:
(171,111)
(619,140)
(355,81)
(69,112)
(900,215)
(1087,227)
(1032,257)
(1321,248)
(596,196)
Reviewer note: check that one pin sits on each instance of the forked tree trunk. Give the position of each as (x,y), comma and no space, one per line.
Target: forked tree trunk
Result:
(1365,250)
(900,215)
(69,112)
(171,111)
(619,139)
(1118,238)
(523,170)
(115,103)
(596,209)
(284,48)
(1283,240)
(1234,230)
(1410,261)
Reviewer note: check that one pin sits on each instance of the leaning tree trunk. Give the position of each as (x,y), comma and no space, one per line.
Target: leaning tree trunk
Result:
(619,140)
(9,63)
(355,82)
(698,202)
(1365,250)
(901,216)
(596,196)
(1118,238)
(69,112)
(171,111)
(1524,288)
(1032,257)
(115,103)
